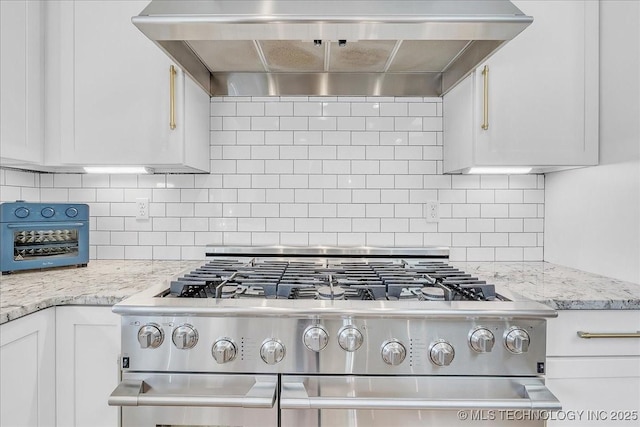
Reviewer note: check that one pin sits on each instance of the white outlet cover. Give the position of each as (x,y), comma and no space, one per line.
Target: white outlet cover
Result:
(142,208)
(432,211)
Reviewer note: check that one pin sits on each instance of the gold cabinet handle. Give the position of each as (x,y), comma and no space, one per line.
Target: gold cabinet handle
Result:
(589,335)
(172,97)
(485,100)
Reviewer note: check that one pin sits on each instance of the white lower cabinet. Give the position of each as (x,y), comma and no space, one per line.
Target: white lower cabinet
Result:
(87,370)
(27,371)
(597,380)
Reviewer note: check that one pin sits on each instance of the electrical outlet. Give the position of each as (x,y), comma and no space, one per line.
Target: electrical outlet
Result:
(142,208)
(432,213)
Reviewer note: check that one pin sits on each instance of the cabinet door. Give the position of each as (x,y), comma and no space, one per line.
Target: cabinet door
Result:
(595,391)
(117,108)
(87,353)
(27,371)
(21,77)
(543,90)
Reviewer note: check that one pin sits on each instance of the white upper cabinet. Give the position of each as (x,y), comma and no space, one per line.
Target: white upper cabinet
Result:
(21,79)
(110,95)
(541,95)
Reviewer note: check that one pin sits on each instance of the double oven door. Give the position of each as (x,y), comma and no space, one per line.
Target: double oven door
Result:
(292,401)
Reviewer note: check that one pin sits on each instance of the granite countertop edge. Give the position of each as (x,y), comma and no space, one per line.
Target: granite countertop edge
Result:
(558,287)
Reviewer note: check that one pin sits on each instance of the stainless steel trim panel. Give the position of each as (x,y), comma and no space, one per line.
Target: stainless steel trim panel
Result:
(329,251)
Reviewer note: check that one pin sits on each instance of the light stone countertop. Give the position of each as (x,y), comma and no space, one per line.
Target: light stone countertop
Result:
(102,282)
(559,287)
(106,282)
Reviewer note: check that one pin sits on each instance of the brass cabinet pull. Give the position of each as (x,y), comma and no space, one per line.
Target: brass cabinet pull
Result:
(485,116)
(172,97)
(589,335)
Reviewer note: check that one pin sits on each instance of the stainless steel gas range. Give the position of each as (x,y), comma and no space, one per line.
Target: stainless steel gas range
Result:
(277,336)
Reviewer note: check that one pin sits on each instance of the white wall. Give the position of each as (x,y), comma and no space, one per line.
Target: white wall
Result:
(592,215)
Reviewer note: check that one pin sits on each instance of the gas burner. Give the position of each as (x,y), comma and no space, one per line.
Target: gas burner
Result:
(396,279)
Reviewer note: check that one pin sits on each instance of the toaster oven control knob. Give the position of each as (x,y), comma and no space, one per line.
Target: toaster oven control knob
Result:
(481,340)
(185,337)
(150,336)
(441,353)
(517,340)
(315,338)
(21,212)
(350,338)
(272,352)
(224,351)
(71,212)
(47,212)
(393,352)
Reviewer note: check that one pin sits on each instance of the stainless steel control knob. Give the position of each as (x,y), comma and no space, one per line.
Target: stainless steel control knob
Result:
(517,340)
(272,351)
(315,338)
(224,350)
(350,338)
(150,336)
(481,340)
(441,353)
(393,352)
(185,337)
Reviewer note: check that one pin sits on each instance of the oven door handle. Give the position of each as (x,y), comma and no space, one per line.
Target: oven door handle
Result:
(535,396)
(135,393)
(46,225)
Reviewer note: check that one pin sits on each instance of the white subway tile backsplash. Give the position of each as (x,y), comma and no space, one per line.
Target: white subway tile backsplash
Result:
(110,252)
(59,180)
(323,153)
(336,109)
(308,171)
(408,124)
(523,210)
(523,181)
(508,196)
(456,225)
(323,239)
(322,123)
(351,123)
(498,210)
(46,194)
(422,167)
(509,254)
(351,181)
(394,109)
(110,223)
(251,224)
(294,123)
(509,225)
(166,253)
(250,108)
(307,137)
(321,181)
(408,239)
(307,109)
(265,239)
(522,239)
(352,239)
(275,108)
(338,167)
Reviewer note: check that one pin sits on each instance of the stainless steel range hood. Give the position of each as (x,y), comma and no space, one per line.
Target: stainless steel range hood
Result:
(330,47)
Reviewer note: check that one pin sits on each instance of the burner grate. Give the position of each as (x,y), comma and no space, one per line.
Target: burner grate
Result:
(332,280)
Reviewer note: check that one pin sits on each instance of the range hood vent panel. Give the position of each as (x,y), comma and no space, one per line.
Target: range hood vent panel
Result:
(267,47)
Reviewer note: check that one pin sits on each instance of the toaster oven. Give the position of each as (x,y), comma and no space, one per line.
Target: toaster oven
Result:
(43,235)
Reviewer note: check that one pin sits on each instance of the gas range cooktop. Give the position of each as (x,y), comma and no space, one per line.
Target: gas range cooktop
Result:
(331,279)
